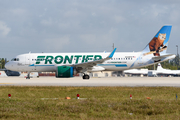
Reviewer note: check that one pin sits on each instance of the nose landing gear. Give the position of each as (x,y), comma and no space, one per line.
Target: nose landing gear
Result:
(28,75)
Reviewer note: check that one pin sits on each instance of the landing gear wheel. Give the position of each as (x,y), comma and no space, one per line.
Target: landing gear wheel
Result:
(85,76)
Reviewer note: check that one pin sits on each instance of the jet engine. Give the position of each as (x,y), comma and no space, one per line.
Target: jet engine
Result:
(65,71)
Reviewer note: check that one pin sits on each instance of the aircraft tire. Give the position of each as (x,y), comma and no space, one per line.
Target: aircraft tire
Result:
(85,76)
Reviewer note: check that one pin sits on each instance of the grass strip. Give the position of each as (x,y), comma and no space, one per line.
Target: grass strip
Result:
(101,103)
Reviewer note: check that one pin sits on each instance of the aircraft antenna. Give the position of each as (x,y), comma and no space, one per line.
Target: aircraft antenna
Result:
(113,46)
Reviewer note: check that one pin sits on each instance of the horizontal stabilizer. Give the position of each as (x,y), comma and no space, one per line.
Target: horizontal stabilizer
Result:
(162,56)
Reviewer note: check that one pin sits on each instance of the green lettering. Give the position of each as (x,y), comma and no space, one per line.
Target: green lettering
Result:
(49,59)
(68,59)
(97,57)
(87,57)
(39,59)
(77,58)
(57,61)
(83,59)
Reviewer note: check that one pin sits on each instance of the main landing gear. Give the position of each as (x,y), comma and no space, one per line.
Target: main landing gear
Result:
(85,76)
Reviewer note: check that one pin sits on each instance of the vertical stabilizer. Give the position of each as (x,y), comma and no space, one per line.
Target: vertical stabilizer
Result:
(159,67)
(159,43)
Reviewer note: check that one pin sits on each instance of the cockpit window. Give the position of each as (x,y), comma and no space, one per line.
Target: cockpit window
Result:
(12,59)
(15,59)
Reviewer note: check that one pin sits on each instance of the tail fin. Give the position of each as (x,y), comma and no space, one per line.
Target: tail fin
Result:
(159,43)
(159,67)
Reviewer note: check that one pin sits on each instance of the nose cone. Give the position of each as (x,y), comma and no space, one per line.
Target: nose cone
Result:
(7,66)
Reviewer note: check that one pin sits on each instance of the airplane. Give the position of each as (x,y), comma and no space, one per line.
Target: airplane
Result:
(69,64)
(163,71)
(136,72)
(8,73)
(159,71)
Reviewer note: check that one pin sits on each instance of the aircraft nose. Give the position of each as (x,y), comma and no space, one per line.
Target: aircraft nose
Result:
(7,65)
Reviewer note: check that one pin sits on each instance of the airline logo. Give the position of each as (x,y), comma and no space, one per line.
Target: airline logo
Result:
(66,59)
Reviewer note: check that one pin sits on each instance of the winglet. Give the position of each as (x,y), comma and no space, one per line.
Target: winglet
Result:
(112,53)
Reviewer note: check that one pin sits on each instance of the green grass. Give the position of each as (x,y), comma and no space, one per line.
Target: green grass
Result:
(101,103)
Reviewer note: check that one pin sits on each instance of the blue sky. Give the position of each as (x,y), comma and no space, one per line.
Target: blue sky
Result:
(84,25)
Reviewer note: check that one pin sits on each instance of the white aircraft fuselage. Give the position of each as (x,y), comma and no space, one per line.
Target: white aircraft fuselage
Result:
(48,62)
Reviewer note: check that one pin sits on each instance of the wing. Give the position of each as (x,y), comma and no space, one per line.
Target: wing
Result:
(94,63)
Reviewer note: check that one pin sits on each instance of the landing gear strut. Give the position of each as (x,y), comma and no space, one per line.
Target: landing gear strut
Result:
(85,76)
(28,76)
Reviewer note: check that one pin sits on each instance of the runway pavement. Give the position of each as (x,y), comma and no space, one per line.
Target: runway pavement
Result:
(78,81)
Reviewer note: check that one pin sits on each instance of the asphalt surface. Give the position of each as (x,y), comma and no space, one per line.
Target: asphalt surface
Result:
(78,81)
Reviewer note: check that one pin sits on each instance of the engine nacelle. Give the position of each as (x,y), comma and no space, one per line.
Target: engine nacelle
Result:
(65,71)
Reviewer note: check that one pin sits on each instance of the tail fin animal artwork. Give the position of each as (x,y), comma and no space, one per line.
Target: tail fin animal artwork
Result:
(159,43)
